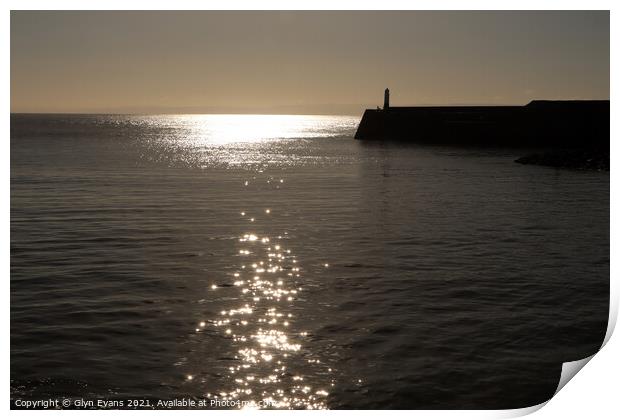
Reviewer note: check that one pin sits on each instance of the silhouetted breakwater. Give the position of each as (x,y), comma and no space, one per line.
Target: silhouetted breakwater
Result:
(539,123)
(573,134)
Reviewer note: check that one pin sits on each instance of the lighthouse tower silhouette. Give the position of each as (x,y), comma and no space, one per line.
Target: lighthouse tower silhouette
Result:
(386,99)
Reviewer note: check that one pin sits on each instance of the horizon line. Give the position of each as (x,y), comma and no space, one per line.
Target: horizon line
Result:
(361,109)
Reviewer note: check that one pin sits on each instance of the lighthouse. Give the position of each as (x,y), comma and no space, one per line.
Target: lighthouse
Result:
(386,99)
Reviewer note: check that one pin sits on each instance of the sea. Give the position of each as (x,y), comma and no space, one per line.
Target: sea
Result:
(273,261)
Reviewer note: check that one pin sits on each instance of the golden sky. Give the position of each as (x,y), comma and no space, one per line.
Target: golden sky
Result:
(301,62)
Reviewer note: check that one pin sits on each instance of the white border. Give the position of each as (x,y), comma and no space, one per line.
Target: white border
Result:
(592,394)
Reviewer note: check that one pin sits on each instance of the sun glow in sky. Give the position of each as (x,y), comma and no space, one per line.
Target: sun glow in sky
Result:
(317,62)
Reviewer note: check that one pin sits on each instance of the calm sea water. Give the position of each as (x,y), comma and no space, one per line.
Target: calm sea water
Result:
(274,257)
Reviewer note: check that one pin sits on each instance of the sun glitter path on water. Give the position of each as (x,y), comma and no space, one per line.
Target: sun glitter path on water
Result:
(262,327)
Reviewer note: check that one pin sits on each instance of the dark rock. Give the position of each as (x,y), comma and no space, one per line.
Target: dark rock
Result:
(588,159)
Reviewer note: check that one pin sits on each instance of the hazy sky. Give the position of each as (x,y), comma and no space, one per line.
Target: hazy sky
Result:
(301,62)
